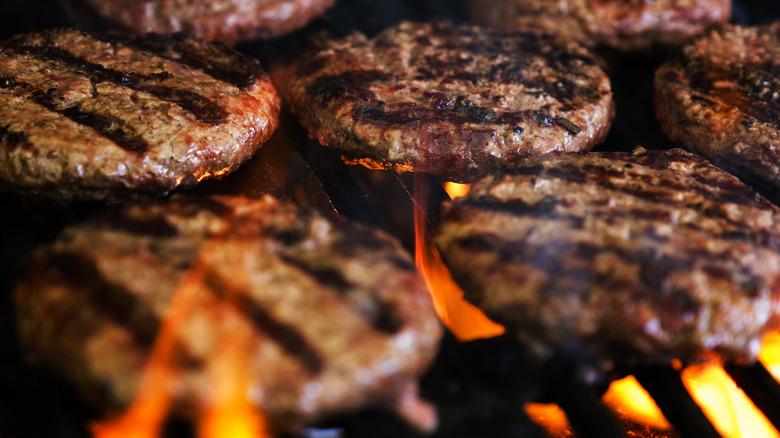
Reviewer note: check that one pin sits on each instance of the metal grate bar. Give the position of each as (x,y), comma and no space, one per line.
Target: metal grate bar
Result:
(667,389)
(563,384)
(761,387)
(343,192)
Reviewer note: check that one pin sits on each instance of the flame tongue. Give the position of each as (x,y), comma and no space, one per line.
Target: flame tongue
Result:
(228,412)
(464,320)
(152,401)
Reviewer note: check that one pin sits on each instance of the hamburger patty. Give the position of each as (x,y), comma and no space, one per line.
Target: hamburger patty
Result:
(629,258)
(87,117)
(454,101)
(326,315)
(721,99)
(624,25)
(230,21)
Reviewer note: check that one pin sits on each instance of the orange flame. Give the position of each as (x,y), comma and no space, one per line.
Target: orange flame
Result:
(464,320)
(456,190)
(627,397)
(725,405)
(230,413)
(770,353)
(550,417)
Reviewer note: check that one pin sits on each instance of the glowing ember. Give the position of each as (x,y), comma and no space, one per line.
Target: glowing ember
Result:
(456,190)
(628,398)
(215,174)
(728,408)
(464,320)
(770,353)
(550,417)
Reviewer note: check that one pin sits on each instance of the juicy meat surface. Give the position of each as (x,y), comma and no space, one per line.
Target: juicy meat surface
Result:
(454,101)
(312,316)
(620,24)
(230,21)
(92,117)
(627,258)
(721,99)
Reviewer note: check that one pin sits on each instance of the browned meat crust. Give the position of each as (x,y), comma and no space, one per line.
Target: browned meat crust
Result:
(721,99)
(89,118)
(621,24)
(630,258)
(454,101)
(329,315)
(230,21)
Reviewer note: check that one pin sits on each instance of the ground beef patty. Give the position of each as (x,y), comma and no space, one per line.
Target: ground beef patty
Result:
(326,315)
(628,258)
(230,21)
(721,99)
(454,101)
(622,24)
(87,117)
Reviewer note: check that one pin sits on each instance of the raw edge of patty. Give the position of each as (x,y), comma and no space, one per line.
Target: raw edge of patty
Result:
(627,26)
(719,98)
(455,101)
(627,258)
(106,118)
(327,315)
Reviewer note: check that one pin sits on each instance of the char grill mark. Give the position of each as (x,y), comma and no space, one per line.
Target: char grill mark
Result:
(382,316)
(12,139)
(237,70)
(655,267)
(111,128)
(551,209)
(658,191)
(202,108)
(355,84)
(457,114)
(286,336)
(115,301)
(750,88)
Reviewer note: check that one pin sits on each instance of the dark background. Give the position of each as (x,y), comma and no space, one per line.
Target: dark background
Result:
(33,404)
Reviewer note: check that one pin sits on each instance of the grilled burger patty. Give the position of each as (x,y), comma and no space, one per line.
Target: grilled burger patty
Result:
(87,117)
(721,99)
(629,258)
(230,21)
(325,315)
(624,25)
(454,101)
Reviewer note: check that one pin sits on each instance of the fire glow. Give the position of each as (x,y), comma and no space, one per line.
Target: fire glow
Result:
(727,407)
(229,414)
(464,320)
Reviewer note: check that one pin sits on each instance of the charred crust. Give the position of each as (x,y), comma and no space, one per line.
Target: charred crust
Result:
(382,316)
(80,273)
(214,58)
(285,335)
(352,85)
(204,110)
(13,140)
